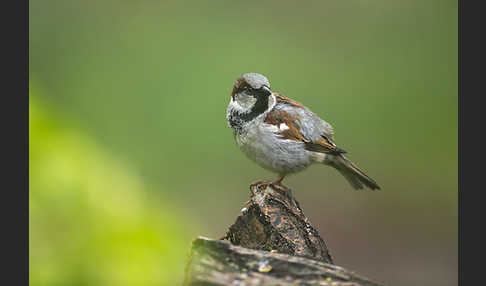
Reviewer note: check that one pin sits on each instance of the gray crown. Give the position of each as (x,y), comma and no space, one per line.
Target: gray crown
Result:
(256,80)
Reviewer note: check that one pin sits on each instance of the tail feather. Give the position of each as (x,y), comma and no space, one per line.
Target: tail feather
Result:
(352,173)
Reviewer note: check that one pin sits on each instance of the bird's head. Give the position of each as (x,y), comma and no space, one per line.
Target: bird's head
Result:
(251,90)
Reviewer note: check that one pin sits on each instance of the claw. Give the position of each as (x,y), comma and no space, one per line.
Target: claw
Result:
(261,184)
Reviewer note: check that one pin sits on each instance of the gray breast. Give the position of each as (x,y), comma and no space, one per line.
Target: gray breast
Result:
(259,142)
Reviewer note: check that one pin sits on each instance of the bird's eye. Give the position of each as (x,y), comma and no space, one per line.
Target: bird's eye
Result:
(246,88)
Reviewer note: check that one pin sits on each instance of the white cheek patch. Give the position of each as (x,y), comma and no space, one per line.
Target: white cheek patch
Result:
(243,103)
(283,127)
(236,106)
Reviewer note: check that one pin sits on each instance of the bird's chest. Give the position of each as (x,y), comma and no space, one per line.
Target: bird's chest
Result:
(259,143)
(252,141)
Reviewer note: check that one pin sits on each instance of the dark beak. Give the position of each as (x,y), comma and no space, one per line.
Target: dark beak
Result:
(266,90)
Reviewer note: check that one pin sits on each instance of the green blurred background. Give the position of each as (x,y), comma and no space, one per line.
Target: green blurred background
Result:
(131,156)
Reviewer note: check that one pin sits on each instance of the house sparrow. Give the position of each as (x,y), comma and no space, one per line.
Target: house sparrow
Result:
(282,135)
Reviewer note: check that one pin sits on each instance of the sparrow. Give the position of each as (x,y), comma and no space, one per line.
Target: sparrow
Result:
(282,135)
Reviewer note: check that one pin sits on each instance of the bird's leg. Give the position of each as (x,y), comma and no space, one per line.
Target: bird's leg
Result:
(278,181)
(260,183)
(263,183)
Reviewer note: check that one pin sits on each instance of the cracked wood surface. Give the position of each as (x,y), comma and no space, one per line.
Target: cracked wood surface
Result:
(217,262)
(271,243)
(274,220)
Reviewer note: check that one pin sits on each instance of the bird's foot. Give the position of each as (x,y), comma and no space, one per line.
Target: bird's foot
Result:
(278,181)
(260,184)
(279,186)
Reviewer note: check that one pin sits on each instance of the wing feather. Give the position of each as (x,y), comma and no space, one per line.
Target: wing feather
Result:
(314,132)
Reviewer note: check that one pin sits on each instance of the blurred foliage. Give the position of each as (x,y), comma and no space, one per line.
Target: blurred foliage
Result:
(91,221)
(150,82)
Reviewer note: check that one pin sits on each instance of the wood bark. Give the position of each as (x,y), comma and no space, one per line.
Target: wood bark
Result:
(274,220)
(272,242)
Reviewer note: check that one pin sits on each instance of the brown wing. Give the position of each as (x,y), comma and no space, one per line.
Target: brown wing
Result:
(328,130)
(324,145)
(286,100)
(292,131)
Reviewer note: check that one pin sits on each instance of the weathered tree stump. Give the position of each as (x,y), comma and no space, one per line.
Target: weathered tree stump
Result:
(271,243)
(274,221)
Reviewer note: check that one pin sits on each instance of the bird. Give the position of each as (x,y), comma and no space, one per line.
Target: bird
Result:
(282,135)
